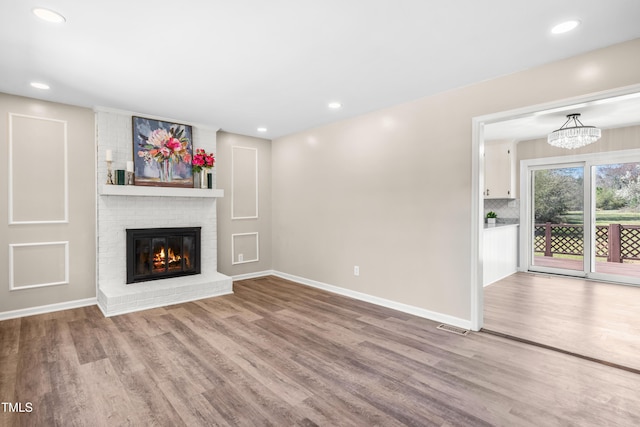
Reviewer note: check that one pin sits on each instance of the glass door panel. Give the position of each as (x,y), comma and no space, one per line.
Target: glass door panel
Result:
(558,219)
(617,219)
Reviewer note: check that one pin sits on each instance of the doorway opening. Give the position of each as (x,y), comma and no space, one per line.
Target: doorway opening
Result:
(525,118)
(579,222)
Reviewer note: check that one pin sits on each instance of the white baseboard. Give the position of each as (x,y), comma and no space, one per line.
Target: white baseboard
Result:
(405,308)
(43,309)
(253,275)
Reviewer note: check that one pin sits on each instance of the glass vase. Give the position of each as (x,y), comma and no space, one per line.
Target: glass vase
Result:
(166,171)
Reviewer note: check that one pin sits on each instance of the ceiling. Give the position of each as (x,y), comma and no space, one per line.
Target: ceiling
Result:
(244,64)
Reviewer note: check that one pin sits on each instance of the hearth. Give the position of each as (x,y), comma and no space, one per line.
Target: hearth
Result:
(161,253)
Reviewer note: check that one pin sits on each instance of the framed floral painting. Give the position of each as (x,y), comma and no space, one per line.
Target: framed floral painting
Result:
(162,153)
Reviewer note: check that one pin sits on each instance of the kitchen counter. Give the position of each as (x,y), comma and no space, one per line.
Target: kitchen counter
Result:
(500,225)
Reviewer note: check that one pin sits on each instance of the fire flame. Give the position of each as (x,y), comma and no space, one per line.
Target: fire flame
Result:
(160,260)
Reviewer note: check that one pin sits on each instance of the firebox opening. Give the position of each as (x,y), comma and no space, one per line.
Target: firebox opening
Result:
(160,253)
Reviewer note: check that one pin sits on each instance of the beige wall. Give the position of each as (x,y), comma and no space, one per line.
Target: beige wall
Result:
(47,219)
(243,171)
(390,191)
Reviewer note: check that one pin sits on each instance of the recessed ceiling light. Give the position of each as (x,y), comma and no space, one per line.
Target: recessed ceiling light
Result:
(261,129)
(335,105)
(39,85)
(49,15)
(565,27)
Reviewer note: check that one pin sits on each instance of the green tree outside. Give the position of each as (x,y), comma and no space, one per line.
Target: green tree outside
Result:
(557,191)
(559,194)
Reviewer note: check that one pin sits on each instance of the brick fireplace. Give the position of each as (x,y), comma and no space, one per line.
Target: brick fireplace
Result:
(121,208)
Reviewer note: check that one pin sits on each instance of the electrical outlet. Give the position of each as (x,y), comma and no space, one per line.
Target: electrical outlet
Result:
(356,270)
(240,257)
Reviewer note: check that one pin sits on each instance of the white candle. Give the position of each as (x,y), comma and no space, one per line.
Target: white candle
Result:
(109,156)
(129,166)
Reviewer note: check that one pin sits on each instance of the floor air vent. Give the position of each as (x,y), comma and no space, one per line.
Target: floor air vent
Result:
(453,329)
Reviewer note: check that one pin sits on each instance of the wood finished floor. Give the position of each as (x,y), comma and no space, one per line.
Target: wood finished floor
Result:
(282,354)
(598,320)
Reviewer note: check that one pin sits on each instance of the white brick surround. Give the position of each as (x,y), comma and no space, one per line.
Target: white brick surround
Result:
(117,213)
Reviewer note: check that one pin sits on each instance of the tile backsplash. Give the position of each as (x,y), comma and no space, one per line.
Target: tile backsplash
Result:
(508,210)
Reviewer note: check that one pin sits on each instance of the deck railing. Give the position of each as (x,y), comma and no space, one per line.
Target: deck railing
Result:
(616,242)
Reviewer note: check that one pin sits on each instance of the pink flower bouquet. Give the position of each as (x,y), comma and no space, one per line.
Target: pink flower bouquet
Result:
(202,160)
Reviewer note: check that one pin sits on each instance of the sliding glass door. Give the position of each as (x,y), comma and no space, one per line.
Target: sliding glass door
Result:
(558,225)
(617,219)
(583,218)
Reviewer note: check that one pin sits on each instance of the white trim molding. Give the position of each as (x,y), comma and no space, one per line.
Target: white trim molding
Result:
(65,218)
(233,190)
(65,281)
(44,309)
(233,251)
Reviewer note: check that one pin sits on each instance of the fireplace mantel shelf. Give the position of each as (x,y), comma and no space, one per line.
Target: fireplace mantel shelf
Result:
(133,190)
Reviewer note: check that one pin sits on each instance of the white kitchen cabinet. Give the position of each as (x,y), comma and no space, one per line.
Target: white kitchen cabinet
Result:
(499,170)
(500,254)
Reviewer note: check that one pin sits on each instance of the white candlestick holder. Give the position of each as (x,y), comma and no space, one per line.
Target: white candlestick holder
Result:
(109,173)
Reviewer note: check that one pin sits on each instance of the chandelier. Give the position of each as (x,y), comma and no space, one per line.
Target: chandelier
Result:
(575,136)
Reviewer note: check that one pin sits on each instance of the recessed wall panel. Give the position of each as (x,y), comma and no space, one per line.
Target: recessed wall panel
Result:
(33,265)
(245,248)
(37,170)
(244,183)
